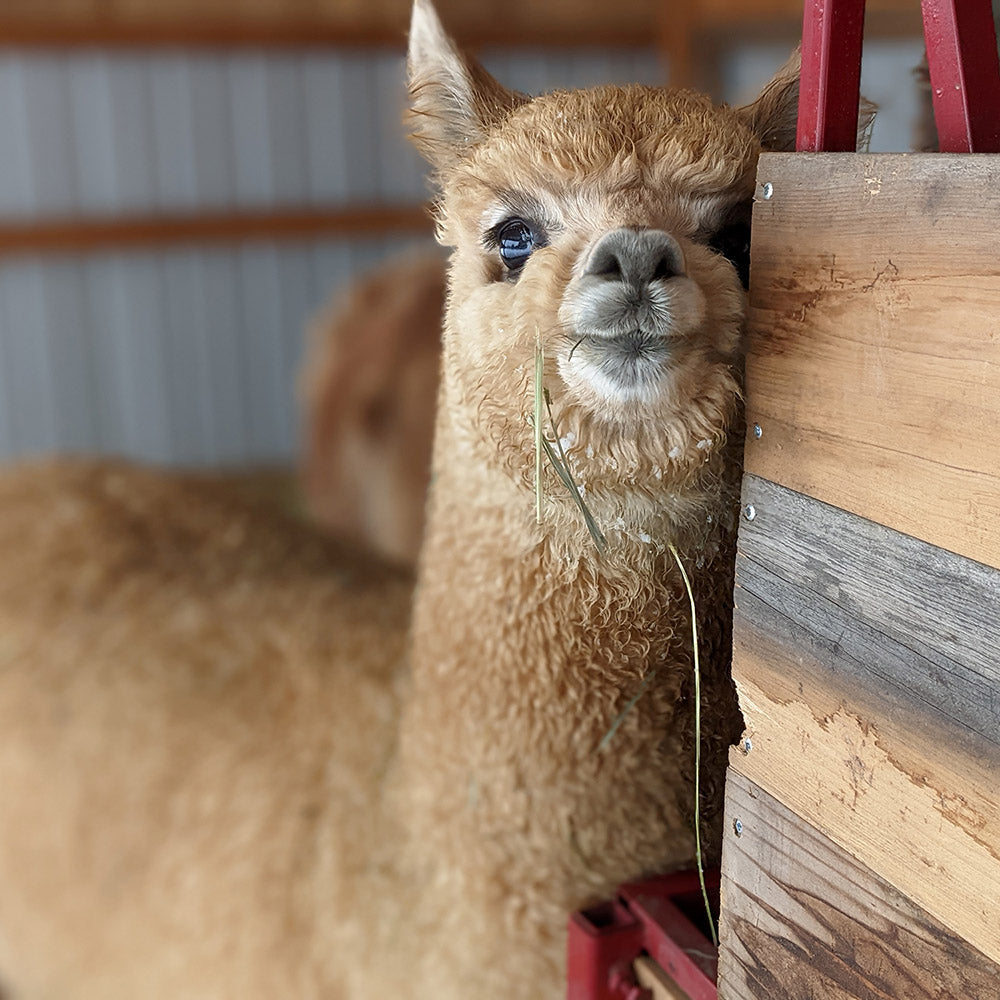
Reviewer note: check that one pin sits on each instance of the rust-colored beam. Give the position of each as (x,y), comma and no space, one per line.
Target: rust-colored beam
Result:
(88,234)
(70,33)
(21,32)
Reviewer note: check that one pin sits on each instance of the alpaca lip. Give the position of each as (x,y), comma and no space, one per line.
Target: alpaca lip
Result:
(633,347)
(622,365)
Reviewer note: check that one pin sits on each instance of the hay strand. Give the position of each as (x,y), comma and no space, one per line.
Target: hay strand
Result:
(561,464)
(697,744)
(539,368)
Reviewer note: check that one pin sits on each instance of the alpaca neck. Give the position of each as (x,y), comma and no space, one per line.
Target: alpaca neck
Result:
(524,654)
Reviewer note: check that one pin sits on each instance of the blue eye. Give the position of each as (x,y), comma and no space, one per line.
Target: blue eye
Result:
(515,241)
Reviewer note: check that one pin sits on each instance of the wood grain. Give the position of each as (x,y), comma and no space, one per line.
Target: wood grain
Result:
(803,919)
(53,9)
(874,351)
(65,235)
(898,768)
(919,623)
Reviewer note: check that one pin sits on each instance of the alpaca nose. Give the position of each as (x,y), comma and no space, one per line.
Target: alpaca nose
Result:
(636,257)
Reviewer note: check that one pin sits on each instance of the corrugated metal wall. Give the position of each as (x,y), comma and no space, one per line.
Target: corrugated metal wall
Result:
(189,355)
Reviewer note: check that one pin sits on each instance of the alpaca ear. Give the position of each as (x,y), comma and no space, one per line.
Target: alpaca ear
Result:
(453,100)
(774,115)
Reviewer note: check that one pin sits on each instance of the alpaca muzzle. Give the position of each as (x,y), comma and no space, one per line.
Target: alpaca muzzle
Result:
(623,307)
(623,298)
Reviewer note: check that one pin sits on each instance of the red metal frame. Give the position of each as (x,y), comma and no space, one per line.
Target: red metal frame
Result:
(831,76)
(964,71)
(965,74)
(645,918)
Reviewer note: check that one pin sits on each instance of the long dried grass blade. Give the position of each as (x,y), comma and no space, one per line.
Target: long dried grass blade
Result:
(561,464)
(567,479)
(697,744)
(539,368)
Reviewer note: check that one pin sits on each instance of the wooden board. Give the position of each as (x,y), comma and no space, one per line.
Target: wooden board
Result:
(269,23)
(651,977)
(802,919)
(874,351)
(723,12)
(920,624)
(868,679)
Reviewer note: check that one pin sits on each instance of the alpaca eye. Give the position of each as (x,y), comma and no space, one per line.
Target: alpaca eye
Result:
(515,241)
(733,242)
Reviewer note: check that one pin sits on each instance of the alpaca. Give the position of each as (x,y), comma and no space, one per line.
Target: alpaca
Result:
(228,772)
(368,387)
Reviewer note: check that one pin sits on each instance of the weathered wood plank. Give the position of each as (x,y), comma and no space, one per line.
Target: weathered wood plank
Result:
(651,977)
(874,351)
(917,811)
(861,719)
(921,623)
(804,920)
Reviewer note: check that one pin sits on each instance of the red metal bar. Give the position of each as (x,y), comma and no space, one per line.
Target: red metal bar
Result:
(646,918)
(965,74)
(603,943)
(831,76)
(669,937)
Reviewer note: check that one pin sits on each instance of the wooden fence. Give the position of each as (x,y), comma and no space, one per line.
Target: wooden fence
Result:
(862,857)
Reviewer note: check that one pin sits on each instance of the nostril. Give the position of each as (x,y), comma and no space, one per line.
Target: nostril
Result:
(636,257)
(604,263)
(665,268)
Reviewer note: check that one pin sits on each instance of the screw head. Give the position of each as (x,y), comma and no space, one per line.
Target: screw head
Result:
(758,431)
(749,512)
(767,191)
(747,746)
(738,827)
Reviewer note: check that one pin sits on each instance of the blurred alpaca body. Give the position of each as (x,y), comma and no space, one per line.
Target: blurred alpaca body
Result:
(368,390)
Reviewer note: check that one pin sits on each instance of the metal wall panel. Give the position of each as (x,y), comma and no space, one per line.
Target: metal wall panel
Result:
(185,356)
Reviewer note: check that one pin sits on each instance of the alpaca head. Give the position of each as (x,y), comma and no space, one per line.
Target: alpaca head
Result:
(610,226)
